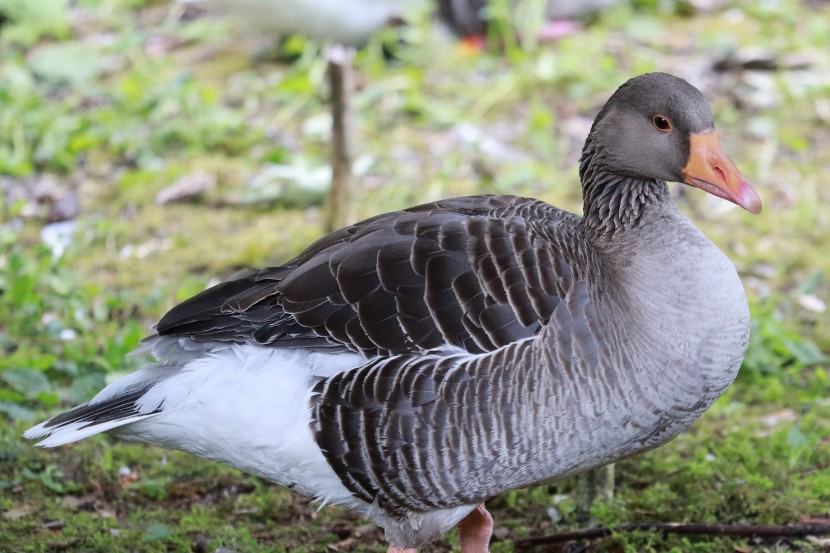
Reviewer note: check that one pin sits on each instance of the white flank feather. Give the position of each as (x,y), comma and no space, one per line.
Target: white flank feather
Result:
(246,406)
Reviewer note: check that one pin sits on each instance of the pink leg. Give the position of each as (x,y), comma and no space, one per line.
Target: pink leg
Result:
(475,530)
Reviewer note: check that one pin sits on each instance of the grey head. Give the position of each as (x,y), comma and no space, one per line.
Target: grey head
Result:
(657,127)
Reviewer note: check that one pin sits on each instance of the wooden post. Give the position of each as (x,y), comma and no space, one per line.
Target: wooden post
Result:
(341,82)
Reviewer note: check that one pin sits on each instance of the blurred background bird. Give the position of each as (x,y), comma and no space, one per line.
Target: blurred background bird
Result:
(545,19)
(346,22)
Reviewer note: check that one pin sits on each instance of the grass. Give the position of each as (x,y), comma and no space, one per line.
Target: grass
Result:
(105,103)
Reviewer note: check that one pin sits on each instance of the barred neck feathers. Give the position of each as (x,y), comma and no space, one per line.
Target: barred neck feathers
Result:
(614,202)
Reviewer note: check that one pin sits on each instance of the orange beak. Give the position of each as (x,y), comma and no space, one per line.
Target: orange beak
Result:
(711,170)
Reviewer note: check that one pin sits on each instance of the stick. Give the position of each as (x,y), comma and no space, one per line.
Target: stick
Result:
(338,212)
(739,530)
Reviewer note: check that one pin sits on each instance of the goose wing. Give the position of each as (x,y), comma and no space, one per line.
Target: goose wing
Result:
(476,272)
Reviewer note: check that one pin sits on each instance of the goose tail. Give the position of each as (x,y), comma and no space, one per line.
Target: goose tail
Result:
(117,405)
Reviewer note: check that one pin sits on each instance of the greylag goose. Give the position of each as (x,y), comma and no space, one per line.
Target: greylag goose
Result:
(417,363)
(342,25)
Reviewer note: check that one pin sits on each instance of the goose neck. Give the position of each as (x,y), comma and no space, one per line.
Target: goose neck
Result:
(615,203)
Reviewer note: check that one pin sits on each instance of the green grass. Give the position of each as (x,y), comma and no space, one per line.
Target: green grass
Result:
(108,102)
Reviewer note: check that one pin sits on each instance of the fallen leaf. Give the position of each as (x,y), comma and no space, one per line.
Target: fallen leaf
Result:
(188,187)
(14,514)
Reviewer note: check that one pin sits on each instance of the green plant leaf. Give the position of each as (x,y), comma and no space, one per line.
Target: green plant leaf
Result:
(71,62)
(16,412)
(84,387)
(48,476)
(156,532)
(28,382)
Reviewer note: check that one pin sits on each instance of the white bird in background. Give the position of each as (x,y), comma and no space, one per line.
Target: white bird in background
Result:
(347,22)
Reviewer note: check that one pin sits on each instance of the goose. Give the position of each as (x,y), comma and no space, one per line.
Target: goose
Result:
(417,363)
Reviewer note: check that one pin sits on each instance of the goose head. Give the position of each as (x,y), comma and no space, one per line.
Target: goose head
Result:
(658,127)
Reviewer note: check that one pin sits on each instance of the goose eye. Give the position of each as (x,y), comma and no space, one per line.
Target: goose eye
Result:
(661,123)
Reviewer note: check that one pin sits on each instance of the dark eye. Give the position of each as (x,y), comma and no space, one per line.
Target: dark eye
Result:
(661,123)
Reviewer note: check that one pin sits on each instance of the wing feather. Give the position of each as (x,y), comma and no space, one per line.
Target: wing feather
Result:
(476,272)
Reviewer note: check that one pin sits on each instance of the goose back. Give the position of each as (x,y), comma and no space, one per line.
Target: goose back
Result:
(475,273)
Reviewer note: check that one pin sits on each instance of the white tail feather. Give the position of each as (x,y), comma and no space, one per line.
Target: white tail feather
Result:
(66,434)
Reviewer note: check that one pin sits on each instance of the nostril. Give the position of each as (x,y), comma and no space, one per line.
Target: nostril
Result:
(720,173)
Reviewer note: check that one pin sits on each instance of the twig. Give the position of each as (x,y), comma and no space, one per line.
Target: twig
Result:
(739,530)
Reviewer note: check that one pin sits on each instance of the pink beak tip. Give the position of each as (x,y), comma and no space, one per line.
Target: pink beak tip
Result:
(748,198)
